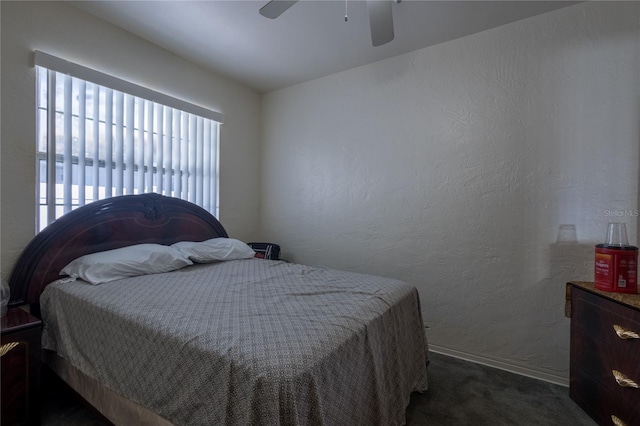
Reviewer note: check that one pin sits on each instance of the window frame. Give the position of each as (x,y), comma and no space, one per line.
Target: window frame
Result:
(202,137)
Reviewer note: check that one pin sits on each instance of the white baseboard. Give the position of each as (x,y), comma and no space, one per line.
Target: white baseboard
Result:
(523,371)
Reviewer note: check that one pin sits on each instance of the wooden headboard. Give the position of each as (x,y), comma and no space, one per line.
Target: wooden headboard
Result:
(104,225)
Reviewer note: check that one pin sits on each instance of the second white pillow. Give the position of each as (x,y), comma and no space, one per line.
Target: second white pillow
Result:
(215,250)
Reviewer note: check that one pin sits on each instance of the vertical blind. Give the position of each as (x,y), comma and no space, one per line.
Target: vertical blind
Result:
(96,142)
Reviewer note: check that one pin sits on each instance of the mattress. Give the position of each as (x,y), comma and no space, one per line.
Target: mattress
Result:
(247,342)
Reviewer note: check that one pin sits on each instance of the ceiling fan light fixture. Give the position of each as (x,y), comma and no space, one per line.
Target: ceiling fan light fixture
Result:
(380,17)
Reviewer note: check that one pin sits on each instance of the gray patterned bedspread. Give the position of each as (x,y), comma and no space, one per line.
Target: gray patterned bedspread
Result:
(247,342)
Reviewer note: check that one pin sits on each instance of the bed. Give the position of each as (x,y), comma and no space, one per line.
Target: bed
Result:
(238,342)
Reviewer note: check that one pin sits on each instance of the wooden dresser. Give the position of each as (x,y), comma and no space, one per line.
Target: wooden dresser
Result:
(605,353)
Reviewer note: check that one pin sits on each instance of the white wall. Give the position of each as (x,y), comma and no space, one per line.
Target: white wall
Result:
(453,168)
(62,30)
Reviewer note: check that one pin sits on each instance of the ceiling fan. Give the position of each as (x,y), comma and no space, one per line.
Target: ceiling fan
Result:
(380,17)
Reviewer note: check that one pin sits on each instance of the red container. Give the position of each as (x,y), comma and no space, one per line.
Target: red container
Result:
(616,268)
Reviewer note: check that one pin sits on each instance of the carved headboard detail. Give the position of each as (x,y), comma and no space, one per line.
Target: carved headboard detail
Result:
(104,225)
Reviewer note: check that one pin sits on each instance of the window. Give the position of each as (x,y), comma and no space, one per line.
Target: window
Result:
(98,137)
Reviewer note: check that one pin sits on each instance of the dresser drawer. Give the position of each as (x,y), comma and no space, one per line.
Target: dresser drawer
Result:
(597,316)
(601,405)
(614,373)
(592,353)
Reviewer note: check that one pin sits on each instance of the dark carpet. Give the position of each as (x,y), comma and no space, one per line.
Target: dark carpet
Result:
(465,393)
(460,393)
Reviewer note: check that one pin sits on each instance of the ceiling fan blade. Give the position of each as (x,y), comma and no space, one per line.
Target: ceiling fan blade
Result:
(381,21)
(275,8)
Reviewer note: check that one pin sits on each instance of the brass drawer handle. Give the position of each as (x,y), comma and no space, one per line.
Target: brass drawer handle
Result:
(623,380)
(5,349)
(623,333)
(616,421)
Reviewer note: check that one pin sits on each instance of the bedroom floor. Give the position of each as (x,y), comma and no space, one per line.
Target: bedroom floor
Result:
(465,393)
(460,393)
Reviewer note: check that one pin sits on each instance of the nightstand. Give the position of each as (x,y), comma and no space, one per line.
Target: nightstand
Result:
(20,365)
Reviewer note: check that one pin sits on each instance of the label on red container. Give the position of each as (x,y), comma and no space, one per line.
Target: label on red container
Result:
(604,270)
(616,269)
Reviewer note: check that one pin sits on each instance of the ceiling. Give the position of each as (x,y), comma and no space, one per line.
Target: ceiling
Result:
(308,41)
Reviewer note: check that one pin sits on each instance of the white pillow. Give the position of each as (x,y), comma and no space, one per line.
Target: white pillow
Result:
(215,249)
(131,261)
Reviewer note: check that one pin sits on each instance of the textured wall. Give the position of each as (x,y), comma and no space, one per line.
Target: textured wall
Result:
(64,31)
(454,168)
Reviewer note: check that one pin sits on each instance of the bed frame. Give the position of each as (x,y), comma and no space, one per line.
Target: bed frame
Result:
(135,219)
(104,225)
